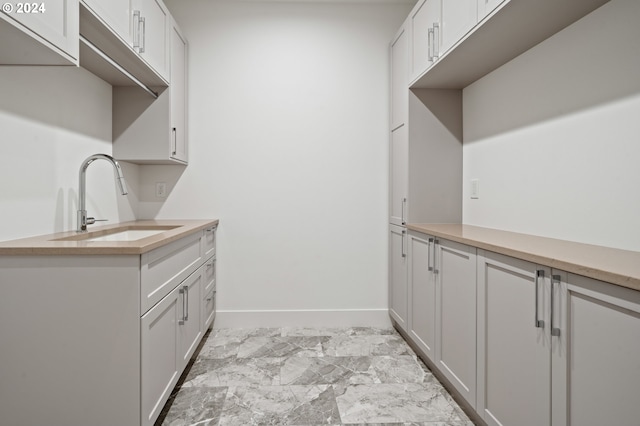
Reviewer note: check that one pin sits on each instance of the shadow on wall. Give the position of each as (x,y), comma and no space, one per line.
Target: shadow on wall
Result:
(593,62)
(45,94)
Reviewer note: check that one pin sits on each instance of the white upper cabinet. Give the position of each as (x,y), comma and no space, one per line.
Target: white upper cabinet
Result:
(178,92)
(458,17)
(42,33)
(117,14)
(425,21)
(150,34)
(399,78)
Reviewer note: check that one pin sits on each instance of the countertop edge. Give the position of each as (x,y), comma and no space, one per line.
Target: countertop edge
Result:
(44,245)
(554,258)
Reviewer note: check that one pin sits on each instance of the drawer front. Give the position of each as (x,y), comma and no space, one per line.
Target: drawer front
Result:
(209,240)
(209,274)
(164,268)
(209,311)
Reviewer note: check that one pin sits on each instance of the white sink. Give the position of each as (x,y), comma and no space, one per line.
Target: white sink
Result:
(129,235)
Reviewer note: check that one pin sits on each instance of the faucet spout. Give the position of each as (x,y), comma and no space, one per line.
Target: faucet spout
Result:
(83,221)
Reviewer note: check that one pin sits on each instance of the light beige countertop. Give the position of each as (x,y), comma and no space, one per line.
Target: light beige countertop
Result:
(74,243)
(621,267)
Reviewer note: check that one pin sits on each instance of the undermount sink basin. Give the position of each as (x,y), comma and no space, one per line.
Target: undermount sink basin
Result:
(129,235)
(122,234)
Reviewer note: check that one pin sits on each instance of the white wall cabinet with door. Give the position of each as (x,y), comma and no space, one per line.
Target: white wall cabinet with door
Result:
(41,33)
(436,25)
(555,348)
(151,23)
(398,297)
(116,14)
(154,131)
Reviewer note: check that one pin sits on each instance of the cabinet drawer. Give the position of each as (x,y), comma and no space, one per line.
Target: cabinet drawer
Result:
(209,275)
(209,311)
(209,240)
(164,268)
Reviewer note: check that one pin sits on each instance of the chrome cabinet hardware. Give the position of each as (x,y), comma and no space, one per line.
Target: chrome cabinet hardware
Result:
(555,331)
(429,265)
(538,322)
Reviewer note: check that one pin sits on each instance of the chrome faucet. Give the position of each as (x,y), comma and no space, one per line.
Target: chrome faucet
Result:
(83,220)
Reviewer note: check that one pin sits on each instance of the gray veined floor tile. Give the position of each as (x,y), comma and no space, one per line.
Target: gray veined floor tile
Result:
(224,343)
(366,345)
(279,346)
(196,406)
(353,331)
(280,405)
(328,370)
(401,369)
(393,403)
(234,372)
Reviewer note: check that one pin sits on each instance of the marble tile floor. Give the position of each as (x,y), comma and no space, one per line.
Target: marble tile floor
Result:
(309,377)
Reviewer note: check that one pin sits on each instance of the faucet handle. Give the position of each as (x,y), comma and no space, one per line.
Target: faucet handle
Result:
(92,220)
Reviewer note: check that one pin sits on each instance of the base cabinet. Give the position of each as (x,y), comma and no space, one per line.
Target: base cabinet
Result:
(398,276)
(555,348)
(442,308)
(514,345)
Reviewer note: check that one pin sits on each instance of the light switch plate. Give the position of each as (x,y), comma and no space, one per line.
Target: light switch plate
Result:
(161,189)
(475,188)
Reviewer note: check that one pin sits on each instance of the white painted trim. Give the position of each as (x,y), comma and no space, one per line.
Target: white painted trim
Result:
(303,318)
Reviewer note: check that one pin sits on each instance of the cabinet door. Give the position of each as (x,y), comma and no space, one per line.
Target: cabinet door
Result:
(190,321)
(398,276)
(458,17)
(596,356)
(117,14)
(151,23)
(160,362)
(455,272)
(485,7)
(514,358)
(398,169)
(399,79)
(55,24)
(425,18)
(422,294)
(178,88)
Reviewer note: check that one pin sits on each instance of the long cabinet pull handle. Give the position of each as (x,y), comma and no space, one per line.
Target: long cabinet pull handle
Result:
(539,274)
(429,266)
(403,252)
(430,44)
(436,41)
(136,29)
(143,45)
(184,309)
(402,218)
(435,249)
(555,331)
(175,141)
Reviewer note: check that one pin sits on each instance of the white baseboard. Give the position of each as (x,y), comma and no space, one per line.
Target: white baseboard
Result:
(378,318)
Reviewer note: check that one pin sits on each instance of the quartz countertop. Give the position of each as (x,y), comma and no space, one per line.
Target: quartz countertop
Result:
(74,243)
(621,267)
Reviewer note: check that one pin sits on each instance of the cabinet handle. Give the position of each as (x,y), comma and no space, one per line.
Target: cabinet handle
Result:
(175,141)
(186,293)
(436,41)
(538,322)
(435,248)
(404,203)
(136,29)
(403,253)
(555,331)
(144,34)
(184,308)
(429,266)
(430,44)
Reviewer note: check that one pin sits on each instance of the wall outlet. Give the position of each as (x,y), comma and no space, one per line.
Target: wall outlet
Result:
(475,189)
(161,189)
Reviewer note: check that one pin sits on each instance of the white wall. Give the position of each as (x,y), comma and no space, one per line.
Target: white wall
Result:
(554,135)
(52,118)
(288,120)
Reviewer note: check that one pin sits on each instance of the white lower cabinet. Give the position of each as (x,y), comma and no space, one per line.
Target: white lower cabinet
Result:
(514,352)
(398,276)
(442,301)
(555,348)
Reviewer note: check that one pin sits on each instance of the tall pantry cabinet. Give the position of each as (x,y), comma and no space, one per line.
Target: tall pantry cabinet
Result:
(425,164)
